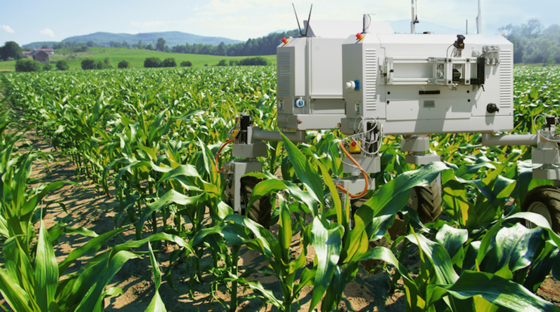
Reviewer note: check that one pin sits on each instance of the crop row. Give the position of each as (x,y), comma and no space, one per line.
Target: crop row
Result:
(149,138)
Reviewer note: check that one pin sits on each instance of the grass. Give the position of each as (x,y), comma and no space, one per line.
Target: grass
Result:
(135,57)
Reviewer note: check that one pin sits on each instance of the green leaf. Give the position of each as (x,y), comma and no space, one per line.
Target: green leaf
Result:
(156,305)
(499,291)
(304,171)
(327,242)
(445,274)
(46,270)
(452,240)
(90,247)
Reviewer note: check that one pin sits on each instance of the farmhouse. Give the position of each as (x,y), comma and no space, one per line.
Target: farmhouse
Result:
(40,55)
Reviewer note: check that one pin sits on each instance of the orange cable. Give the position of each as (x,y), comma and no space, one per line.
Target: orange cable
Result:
(219,151)
(361,169)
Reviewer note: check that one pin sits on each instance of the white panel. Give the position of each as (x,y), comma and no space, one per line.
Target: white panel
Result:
(326,67)
(427,109)
(370,85)
(284,72)
(506,79)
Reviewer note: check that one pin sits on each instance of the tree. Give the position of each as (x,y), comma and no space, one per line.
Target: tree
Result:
(47,67)
(27,65)
(62,65)
(152,62)
(169,62)
(160,45)
(124,63)
(149,47)
(11,50)
(45,46)
(107,63)
(140,44)
(221,50)
(186,64)
(88,64)
(222,63)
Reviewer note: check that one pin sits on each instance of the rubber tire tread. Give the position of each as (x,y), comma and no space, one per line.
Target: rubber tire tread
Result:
(550,197)
(429,202)
(261,210)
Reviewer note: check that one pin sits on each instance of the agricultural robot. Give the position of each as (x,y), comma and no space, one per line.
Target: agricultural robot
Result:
(369,82)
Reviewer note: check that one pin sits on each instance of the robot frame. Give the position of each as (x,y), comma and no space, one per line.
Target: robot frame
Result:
(378,83)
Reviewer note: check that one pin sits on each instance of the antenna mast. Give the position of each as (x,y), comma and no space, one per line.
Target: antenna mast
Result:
(479,20)
(414,17)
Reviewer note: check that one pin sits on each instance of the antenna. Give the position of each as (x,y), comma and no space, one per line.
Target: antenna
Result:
(479,20)
(308,19)
(467,28)
(414,17)
(298,25)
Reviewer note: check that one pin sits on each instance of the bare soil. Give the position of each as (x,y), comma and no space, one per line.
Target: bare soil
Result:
(93,210)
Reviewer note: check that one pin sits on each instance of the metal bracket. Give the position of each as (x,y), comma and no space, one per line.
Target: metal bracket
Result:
(234,170)
(369,164)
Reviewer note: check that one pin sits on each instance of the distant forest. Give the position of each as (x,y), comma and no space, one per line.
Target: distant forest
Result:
(260,46)
(533,43)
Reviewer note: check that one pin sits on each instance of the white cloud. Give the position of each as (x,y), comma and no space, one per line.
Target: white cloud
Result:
(47,32)
(7,29)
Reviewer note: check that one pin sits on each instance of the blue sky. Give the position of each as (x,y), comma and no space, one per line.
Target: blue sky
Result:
(37,20)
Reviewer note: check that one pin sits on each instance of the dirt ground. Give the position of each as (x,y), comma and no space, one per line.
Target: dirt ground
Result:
(92,209)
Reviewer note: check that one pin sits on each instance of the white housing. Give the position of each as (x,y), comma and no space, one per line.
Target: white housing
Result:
(413,84)
(309,71)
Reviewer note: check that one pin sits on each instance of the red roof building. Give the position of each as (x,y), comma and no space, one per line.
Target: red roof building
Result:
(40,55)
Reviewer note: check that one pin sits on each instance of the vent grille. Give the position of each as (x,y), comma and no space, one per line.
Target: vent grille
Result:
(284,73)
(370,86)
(506,79)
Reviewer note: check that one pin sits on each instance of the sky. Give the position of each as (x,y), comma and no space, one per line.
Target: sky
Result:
(243,19)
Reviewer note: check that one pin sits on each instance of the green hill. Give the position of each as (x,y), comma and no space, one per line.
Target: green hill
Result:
(135,57)
(172,38)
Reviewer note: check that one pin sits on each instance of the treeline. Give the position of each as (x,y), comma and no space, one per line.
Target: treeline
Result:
(260,46)
(82,45)
(155,62)
(534,43)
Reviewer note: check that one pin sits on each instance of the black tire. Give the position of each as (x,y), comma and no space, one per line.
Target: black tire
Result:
(426,201)
(261,210)
(544,199)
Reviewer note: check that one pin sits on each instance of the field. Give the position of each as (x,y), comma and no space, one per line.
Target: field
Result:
(135,57)
(125,207)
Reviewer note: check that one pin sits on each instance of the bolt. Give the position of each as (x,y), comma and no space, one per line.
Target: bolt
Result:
(389,92)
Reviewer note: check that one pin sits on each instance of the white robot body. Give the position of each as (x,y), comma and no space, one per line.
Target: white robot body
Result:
(416,84)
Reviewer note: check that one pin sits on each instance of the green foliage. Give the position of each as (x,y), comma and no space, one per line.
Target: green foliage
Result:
(222,63)
(47,67)
(124,64)
(533,43)
(10,50)
(186,64)
(27,65)
(151,144)
(169,62)
(62,65)
(152,62)
(88,64)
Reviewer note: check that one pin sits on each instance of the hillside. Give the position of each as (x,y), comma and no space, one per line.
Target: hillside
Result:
(172,38)
(135,57)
